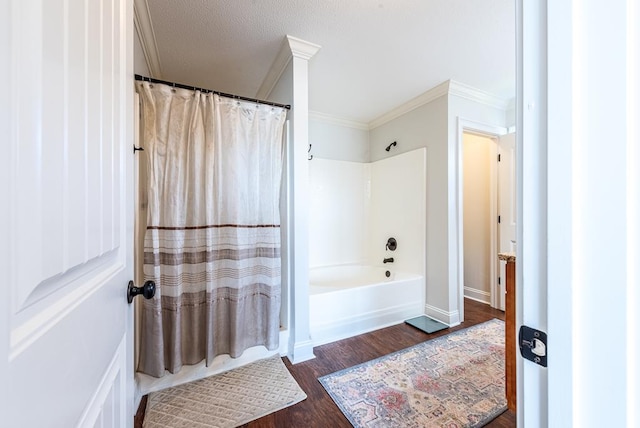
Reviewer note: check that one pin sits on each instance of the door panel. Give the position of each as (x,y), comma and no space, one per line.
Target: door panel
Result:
(69,226)
(506,204)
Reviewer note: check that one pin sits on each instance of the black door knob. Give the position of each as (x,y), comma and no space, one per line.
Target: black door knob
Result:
(392,244)
(148,290)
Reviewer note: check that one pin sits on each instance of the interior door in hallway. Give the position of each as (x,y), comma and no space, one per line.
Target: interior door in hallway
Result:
(67,231)
(506,205)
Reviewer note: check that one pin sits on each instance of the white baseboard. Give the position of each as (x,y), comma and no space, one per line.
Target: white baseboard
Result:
(451,319)
(301,351)
(477,295)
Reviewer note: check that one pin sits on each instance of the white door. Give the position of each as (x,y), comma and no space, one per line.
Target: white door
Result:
(506,205)
(535,384)
(66,223)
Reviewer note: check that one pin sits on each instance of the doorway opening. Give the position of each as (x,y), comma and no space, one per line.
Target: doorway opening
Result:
(489,204)
(480,211)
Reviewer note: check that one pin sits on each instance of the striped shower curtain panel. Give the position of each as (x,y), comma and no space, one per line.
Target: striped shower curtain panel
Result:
(212,243)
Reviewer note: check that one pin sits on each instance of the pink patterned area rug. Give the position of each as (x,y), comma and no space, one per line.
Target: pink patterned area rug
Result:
(452,381)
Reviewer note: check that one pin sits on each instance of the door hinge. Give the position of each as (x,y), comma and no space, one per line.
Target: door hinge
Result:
(499,159)
(533,345)
(498,219)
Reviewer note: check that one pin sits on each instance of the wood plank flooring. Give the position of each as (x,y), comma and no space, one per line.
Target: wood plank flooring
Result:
(319,410)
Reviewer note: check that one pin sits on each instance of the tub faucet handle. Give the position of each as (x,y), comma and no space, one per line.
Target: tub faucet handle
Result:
(389,260)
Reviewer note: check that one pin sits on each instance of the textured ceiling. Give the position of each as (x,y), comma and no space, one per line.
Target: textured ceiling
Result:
(375,55)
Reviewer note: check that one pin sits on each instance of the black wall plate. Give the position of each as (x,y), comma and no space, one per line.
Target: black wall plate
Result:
(533,345)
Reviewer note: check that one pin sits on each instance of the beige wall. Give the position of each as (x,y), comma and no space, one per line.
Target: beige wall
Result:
(476,218)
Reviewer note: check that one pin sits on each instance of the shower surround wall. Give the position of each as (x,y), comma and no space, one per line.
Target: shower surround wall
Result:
(355,207)
(339,212)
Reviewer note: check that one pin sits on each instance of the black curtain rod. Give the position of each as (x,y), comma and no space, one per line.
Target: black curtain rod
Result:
(222,94)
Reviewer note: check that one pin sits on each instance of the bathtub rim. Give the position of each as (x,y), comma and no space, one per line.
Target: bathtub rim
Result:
(398,276)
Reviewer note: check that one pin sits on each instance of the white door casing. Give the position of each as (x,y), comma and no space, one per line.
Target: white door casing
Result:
(67,230)
(494,132)
(506,205)
(531,234)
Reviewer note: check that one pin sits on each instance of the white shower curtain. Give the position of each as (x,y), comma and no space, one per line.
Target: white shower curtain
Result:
(212,243)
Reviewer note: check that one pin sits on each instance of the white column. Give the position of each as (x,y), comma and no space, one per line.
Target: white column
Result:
(300,345)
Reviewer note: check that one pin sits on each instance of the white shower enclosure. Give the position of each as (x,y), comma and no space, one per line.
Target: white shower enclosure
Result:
(354,209)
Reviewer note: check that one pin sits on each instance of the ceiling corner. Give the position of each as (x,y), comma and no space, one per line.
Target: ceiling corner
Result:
(422,99)
(290,47)
(333,120)
(469,92)
(144,29)
(275,71)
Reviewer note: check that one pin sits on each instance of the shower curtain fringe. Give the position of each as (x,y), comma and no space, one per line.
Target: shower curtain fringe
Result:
(222,94)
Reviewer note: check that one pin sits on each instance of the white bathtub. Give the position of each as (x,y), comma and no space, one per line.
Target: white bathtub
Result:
(348,300)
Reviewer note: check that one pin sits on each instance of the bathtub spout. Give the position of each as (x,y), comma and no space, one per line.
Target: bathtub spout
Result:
(389,260)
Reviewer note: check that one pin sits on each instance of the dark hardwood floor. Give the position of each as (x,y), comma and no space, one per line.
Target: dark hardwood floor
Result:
(319,410)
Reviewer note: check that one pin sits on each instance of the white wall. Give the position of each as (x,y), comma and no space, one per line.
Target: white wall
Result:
(476,203)
(339,175)
(356,207)
(398,210)
(339,214)
(340,142)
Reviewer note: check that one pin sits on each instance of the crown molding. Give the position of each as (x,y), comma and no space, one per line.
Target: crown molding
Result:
(449,87)
(469,92)
(301,48)
(334,120)
(290,47)
(275,71)
(425,98)
(144,29)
